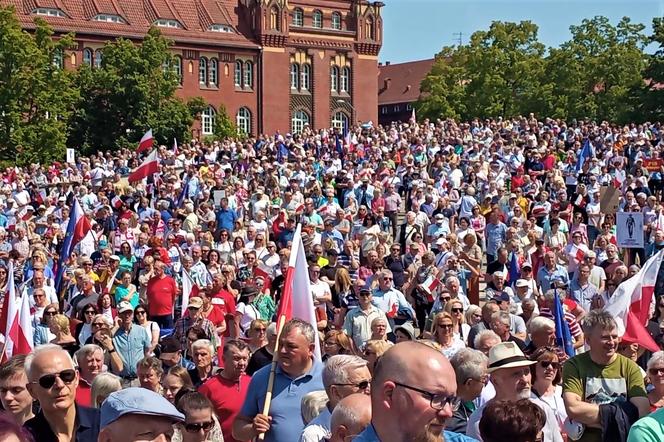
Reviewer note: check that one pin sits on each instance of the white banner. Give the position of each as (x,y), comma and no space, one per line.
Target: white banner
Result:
(71,156)
(629,230)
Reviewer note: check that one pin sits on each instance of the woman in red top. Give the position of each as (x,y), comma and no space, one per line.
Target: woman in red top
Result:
(212,313)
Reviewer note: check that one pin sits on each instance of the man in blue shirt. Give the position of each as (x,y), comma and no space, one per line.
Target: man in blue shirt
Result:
(226,217)
(131,341)
(551,275)
(297,373)
(413,393)
(496,232)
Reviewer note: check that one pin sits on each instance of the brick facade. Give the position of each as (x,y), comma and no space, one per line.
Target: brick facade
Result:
(265,36)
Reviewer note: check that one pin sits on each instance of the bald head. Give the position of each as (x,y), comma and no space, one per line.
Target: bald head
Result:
(405,361)
(350,417)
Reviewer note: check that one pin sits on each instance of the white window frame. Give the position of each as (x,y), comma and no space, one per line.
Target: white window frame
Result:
(298,17)
(216,27)
(203,71)
(340,121)
(207,120)
(99,58)
(305,77)
(88,56)
(213,75)
(243,120)
(177,68)
(109,18)
(237,74)
(49,12)
(344,80)
(248,75)
(295,76)
(317,19)
(334,79)
(300,118)
(168,23)
(336,21)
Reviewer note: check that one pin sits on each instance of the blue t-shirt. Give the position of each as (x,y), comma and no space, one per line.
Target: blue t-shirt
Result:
(369,435)
(286,400)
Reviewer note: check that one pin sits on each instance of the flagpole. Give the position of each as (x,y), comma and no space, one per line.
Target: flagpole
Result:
(273,370)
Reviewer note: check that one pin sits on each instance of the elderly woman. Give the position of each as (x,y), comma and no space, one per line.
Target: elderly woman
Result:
(443,334)
(379,329)
(473,315)
(373,350)
(656,376)
(103,385)
(202,353)
(547,376)
(470,367)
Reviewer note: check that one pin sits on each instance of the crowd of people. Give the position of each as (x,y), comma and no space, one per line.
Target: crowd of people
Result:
(440,255)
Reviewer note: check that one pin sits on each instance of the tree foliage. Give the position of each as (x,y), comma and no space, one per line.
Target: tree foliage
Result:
(36,93)
(506,71)
(649,99)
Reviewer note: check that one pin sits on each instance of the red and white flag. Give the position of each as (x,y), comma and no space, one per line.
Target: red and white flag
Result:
(189,290)
(146,142)
(13,323)
(631,303)
(297,299)
(429,286)
(149,166)
(413,117)
(116,202)
(578,253)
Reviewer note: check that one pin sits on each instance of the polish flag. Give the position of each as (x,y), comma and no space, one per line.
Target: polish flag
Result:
(578,253)
(297,300)
(632,300)
(189,290)
(149,166)
(17,331)
(146,142)
(116,202)
(78,227)
(429,287)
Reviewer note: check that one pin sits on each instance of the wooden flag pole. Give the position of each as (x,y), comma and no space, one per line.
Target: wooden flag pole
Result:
(273,369)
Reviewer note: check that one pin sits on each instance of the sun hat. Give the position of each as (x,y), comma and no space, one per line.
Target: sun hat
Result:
(507,355)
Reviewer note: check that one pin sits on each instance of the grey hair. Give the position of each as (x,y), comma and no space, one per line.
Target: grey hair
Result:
(339,367)
(271,329)
(451,278)
(305,328)
(312,404)
(503,317)
(345,415)
(598,319)
(539,323)
(203,343)
(103,385)
(485,335)
(103,318)
(530,302)
(550,295)
(30,358)
(656,358)
(86,351)
(468,364)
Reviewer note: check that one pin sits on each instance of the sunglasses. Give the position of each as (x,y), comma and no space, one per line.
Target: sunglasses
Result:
(48,380)
(195,428)
(445,326)
(50,313)
(457,310)
(547,364)
(362,385)
(656,371)
(90,312)
(445,299)
(139,312)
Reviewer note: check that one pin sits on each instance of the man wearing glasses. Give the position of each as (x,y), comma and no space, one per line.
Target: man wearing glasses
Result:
(357,323)
(413,394)
(343,375)
(52,380)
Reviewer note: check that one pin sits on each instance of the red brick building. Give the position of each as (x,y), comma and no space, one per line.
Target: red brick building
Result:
(399,89)
(274,64)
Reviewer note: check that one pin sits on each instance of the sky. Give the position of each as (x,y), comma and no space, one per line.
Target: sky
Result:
(418,29)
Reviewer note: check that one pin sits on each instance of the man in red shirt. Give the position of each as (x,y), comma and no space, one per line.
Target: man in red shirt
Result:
(228,388)
(161,292)
(90,363)
(224,301)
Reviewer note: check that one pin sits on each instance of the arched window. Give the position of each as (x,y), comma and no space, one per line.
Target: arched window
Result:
(249,75)
(369,28)
(298,17)
(300,118)
(344,83)
(295,76)
(214,72)
(87,57)
(243,120)
(318,19)
(58,59)
(98,58)
(305,82)
(177,67)
(238,73)
(336,21)
(334,79)
(203,70)
(274,18)
(340,121)
(207,120)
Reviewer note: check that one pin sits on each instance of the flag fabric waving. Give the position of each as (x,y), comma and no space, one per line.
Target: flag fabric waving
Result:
(77,228)
(631,303)
(296,299)
(514,269)
(146,142)
(563,334)
(17,331)
(149,166)
(189,290)
(586,154)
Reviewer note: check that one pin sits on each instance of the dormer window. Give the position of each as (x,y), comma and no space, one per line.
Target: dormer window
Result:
(49,12)
(109,18)
(167,23)
(221,28)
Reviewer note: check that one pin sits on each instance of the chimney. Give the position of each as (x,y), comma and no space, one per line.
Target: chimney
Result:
(387,63)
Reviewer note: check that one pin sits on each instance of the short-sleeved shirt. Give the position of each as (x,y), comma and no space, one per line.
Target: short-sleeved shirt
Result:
(161,293)
(131,348)
(649,428)
(87,426)
(227,398)
(286,400)
(601,384)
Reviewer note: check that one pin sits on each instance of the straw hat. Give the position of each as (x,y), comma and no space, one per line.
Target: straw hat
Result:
(507,355)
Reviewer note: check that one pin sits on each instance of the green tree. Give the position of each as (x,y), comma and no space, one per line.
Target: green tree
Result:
(36,92)
(496,73)
(134,90)
(223,125)
(592,75)
(648,98)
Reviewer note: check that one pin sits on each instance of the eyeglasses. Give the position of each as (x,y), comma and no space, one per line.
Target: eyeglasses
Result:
(547,364)
(445,298)
(50,313)
(89,312)
(445,326)
(48,380)
(457,310)
(436,401)
(387,278)
(362,385)
(139,312)
(195,428)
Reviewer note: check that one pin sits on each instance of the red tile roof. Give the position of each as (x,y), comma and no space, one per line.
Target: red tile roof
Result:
(195,16)
(400,83)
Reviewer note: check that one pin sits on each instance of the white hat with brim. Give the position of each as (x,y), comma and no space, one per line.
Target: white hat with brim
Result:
(507,355)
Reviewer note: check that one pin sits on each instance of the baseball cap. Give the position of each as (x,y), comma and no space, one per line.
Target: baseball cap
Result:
(502,297)
(521,283)
(115,258)
(124,306)
(590,254)
(527,264)
(136,400)
(195,302)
